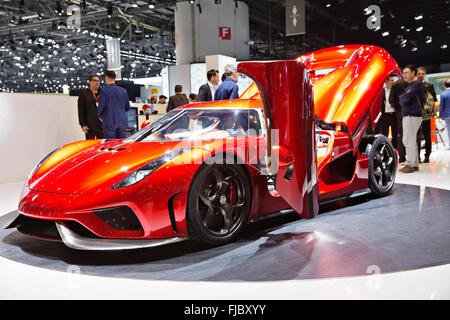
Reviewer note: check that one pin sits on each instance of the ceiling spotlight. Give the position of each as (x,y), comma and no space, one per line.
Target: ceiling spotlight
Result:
(328,5)
(428,39)
(418,17)
(414,49)
(419,29)
(385,34)
(444,46)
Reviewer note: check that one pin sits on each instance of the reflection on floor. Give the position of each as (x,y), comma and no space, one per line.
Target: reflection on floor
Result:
(433,174)
(406,230)
(21,280)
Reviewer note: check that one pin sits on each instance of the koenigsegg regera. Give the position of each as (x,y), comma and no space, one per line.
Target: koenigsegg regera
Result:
(300,134)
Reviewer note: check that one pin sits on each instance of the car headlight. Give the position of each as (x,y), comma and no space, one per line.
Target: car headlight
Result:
(145,170)
(41,162)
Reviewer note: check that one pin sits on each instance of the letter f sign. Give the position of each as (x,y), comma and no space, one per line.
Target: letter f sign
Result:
(224,33)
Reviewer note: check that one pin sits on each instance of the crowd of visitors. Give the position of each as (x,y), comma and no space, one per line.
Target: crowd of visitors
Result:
(408,106)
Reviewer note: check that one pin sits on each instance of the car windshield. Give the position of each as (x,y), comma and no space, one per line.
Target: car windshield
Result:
(201,124)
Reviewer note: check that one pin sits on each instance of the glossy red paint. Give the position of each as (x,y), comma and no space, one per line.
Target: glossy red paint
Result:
(348,81)
(77,179)
(72,188)
(148,200)
(284,87)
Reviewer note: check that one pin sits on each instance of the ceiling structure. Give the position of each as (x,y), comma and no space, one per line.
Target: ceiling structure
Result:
(42,47)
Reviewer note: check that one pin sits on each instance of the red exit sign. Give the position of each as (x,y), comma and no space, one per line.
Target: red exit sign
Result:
(224,33)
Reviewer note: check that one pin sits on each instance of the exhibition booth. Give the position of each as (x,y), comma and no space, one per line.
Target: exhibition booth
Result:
(381,235)
(281,186)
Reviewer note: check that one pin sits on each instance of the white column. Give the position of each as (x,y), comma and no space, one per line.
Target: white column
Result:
(216,29)
(113,57)
(179,74)
(218,62)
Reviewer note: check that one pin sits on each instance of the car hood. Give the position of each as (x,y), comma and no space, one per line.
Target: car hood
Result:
(98,167)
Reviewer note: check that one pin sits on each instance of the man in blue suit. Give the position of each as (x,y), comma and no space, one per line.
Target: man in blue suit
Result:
(113,106)
(228,89)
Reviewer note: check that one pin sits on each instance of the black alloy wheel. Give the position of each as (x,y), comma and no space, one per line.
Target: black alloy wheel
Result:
(382,165)
(219,203)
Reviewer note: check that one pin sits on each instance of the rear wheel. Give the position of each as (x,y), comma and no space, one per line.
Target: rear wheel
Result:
(219,203)
(382,165)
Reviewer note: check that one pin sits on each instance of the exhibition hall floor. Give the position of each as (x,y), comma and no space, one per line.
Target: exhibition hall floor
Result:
(360,248)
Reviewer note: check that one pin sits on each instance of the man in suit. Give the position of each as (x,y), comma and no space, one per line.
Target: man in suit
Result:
(113,106)
(228,89)
(388,116)
(177,100)
(397,89)
(87,110)
(206,91)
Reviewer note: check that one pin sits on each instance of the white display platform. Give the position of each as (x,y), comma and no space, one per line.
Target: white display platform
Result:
(21,281)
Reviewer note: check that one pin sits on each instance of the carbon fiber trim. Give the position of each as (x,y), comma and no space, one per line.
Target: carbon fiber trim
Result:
(75,241)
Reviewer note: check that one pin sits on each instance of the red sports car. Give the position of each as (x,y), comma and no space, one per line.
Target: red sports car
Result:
(204,170)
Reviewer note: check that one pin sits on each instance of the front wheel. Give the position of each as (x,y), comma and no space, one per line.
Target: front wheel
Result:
(219,203)
(382,165)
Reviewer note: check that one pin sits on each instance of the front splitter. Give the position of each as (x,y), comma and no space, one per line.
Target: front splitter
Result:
(75,241)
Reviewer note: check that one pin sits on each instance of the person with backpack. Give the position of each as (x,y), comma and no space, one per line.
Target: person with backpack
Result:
(428,113)
(411,102)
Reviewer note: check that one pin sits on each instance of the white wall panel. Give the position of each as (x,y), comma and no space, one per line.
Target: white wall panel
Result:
(32,125)
(179,74)
(198,76)
(197,34)
(183,33)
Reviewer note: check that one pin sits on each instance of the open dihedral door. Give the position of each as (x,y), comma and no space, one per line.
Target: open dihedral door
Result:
(287,96)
